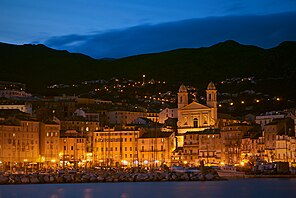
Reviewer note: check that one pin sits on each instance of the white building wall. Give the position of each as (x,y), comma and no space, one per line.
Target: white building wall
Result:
(24,108)
(167,113)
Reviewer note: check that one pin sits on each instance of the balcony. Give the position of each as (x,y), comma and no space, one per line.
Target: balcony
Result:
(150,150)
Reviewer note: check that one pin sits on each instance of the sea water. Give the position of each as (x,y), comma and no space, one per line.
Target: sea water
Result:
(278,188)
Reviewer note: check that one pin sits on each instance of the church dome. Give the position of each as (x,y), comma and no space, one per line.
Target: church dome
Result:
(182,88)
(211,86)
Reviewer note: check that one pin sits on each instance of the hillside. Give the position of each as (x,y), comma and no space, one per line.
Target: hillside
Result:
(38,65)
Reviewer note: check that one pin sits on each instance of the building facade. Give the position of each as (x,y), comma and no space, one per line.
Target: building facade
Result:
(114,147)
(156,148)
(196,116)
(19,141)
(49,138)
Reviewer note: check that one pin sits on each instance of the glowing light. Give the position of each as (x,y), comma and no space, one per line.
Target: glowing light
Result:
(243,102)
(53,160)
(124,162)
(257,100)
(25,160)
(185,162)
(278,99)
(242,163)
(146,162)
(220,105)
(231,103)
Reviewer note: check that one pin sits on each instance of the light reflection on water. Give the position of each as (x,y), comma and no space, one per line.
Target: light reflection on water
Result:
(233,188)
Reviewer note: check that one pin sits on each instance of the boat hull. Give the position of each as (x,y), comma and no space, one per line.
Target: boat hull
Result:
(230,174)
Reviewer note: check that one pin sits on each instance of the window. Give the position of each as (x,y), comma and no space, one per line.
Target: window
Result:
(195,122)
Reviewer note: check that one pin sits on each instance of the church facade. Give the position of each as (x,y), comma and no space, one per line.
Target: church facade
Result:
(195,116)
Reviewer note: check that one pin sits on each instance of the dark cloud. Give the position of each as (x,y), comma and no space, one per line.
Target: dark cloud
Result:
(264,31)
(236,6)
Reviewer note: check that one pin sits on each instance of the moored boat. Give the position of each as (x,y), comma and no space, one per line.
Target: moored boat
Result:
(230,172)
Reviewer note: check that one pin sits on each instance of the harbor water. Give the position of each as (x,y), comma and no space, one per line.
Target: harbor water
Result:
(271,187)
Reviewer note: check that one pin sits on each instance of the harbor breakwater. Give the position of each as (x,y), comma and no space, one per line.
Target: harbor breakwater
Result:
(105,176)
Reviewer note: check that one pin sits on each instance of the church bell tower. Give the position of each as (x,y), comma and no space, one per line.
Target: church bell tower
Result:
(212,100)
(182,97)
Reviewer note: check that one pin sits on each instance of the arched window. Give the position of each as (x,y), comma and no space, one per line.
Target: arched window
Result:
(210,96)
(195,122)
(181,99)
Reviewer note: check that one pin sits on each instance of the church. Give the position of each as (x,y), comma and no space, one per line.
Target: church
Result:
(196,116)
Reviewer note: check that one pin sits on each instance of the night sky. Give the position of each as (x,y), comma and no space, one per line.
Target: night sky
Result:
(118,28)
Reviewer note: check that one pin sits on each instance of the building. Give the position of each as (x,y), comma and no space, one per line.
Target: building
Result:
(14,94)
(155,148)
(196,116)
(13,90)
(167,113)
(49,139)
(274,134)
(202,146)
(59,107)
(123,117)
(73,150)
(252,149)
(80,124)
(26,108)
(226,120)
(152,116)
(19,142)
(4,85)
(116,147)
(269,117)
(231,138)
